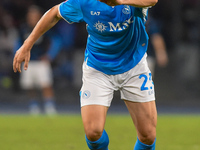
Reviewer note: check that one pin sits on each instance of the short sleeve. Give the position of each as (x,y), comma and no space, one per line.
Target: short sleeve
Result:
(70,11)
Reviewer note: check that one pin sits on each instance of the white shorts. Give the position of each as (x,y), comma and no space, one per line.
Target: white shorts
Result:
(134,85)
(38,75)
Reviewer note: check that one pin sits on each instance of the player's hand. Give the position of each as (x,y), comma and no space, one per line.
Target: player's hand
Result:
(22,55)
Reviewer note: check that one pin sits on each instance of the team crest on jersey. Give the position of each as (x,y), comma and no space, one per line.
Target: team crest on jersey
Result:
(86,94)
(126,10)
(100,26)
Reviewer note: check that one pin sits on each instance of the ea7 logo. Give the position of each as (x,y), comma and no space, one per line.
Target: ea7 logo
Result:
(97,13)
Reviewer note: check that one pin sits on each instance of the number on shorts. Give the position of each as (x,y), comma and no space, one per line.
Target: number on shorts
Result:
(144,87)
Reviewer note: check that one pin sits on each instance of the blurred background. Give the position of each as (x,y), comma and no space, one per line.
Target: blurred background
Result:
(176,72)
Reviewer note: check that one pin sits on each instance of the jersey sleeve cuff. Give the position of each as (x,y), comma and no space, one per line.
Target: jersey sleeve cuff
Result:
(62,15)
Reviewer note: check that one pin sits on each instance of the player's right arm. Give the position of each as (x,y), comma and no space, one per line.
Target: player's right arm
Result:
(48,20)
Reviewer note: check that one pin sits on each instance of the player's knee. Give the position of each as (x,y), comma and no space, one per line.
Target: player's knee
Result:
(93,134)
(148,138)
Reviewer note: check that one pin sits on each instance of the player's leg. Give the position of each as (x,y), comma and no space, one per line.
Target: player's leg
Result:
(45,82)
(34,107)
(49,101)
(95,96)
(27,83)
(94,106)
(94,117)
(144,116)
(139,96)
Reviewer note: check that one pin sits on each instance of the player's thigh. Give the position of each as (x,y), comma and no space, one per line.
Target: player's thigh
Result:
(95,96)
(144,116)
(139,97)
(94,117)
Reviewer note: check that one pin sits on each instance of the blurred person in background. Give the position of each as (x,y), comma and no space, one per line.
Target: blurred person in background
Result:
(157,53)
(39,76)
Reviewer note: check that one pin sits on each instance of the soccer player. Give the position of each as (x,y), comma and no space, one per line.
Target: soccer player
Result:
(115,59)
(39,76)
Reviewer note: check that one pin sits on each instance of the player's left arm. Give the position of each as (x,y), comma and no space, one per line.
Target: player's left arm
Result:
(135,3)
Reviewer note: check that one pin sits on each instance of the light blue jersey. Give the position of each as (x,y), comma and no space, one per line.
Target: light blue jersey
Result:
(117,39)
